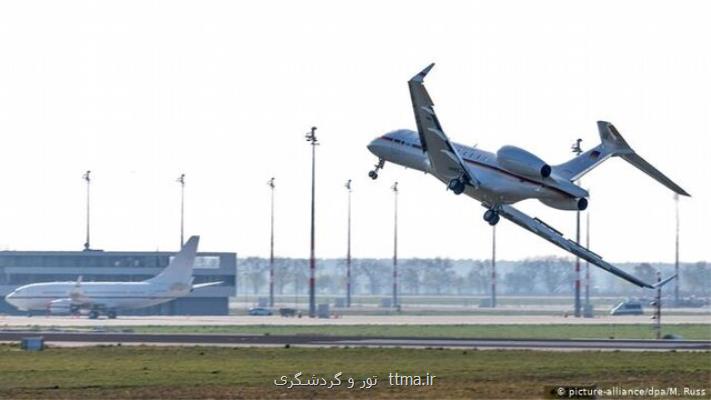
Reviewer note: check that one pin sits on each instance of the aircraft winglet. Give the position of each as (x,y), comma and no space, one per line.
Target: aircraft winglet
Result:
(664,282)
(421,76)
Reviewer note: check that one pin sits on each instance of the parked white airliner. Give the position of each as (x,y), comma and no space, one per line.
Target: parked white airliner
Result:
(510,175)
(109,297)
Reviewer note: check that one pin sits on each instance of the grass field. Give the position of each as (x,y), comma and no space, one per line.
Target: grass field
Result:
(215,372)
(618,331)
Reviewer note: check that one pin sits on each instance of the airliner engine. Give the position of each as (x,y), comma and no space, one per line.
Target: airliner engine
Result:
(570,203)
(60,306)
(521,162)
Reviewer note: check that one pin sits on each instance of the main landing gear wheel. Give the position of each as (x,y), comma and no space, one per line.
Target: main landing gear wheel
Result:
(111,314)
(374,173)
(492,217)
(93,314)
(457,186)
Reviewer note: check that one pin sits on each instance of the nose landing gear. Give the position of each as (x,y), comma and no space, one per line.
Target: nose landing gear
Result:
(492,217)
(374,173)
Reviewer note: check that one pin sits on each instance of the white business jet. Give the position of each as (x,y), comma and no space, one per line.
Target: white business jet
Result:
(176,280)
(510,175)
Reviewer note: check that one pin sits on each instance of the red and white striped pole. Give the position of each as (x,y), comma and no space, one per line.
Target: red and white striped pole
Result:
(395,300)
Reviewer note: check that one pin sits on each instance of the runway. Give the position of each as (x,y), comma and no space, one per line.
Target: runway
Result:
(242,320)
(355,341)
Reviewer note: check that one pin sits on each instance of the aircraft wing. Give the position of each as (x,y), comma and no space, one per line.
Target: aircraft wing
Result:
(204,285)
(445,161)
(547,232)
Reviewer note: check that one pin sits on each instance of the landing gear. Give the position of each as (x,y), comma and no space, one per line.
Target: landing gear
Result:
(457,186)
(374,173)
(111,314)
(93,314)
(492,217)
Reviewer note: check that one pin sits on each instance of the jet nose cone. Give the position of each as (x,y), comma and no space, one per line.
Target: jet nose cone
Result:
(378,147)
(10,298)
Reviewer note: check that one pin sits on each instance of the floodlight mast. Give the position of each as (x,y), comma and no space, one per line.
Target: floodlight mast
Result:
(587,263)
(677,302)
(493,266)
(87,178)
(311,138)
(395,294)
(348,248)
(577,150)
(270,183)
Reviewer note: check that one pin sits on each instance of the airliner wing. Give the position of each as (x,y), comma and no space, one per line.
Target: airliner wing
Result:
(547,232)
(445,161)
(204,285)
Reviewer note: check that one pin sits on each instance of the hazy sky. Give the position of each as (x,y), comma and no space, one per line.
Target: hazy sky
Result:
(141,91)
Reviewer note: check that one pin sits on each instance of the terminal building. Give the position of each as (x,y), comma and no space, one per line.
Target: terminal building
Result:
(19,268)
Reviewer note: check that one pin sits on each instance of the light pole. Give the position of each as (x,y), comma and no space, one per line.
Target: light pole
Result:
(493,266)
(676,253)
(587,264)
(271,246)
(577,150)
(181,181)
(311,138)
(348,247)
(87,178)
(395,194)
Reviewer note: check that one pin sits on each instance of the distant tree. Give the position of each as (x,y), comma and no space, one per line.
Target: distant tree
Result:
(438,275)
(522,280)
(374,271)
(411,275)
(697,278)
(555,273)
(478,278)
(254,271)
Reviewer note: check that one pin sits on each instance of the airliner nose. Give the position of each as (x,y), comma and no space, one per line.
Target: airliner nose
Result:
(378,147)
(10,298)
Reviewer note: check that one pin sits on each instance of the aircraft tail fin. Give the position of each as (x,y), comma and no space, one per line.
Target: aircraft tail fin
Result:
(612,145)
(180,268)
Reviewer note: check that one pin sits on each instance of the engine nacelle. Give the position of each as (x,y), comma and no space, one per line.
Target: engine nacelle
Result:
(569,203)
(521,162)
(60,306)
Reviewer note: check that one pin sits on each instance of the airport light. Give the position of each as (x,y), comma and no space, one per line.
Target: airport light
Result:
(87,178)
(270,183)
(311,138)
(348,249)
(395,195)
(676,253)
(577,150)
(181,181)
(493,266)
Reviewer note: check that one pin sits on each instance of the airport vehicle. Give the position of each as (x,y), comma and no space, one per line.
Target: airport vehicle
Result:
(510,175)
(288,312)
(629,307)
(260,311)
(109,297)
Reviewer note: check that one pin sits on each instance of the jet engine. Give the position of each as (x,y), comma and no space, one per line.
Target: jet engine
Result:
(521,162)
(570,203)
(61,306)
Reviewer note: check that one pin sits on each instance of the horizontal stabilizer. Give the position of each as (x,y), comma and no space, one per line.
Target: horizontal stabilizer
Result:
(612,139)
(612,145)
